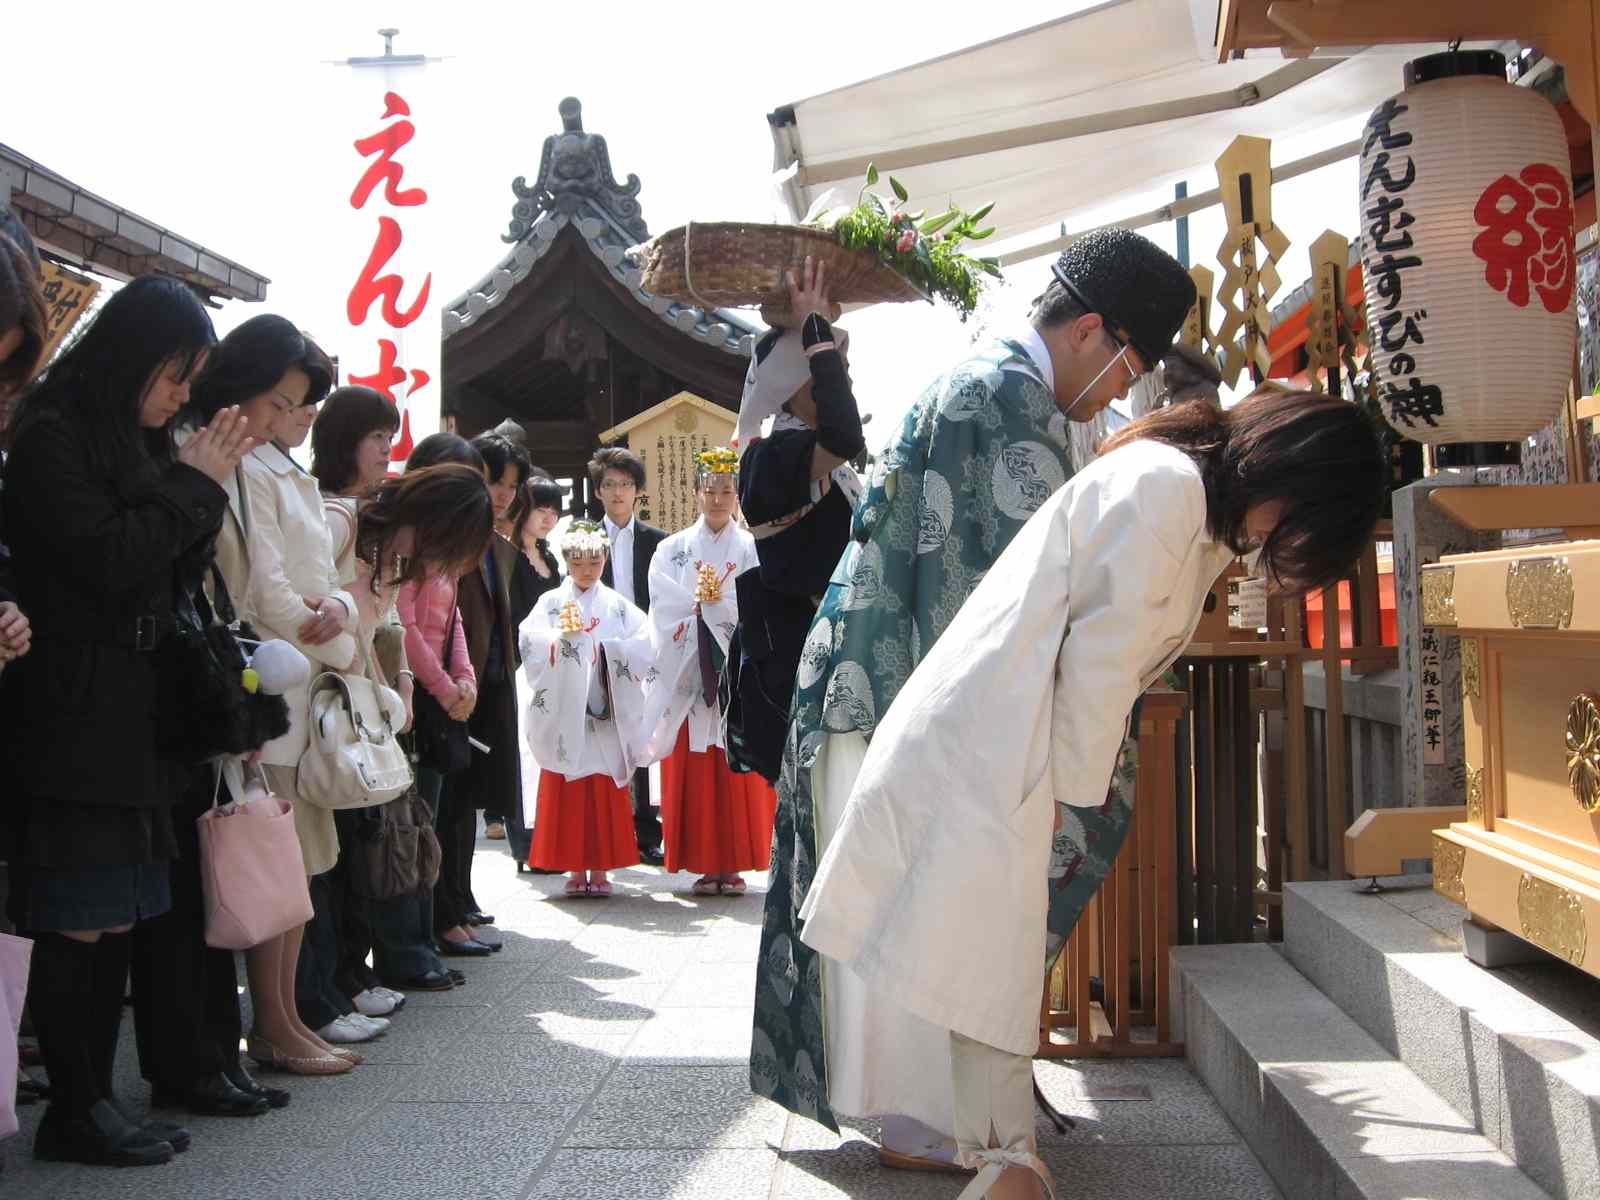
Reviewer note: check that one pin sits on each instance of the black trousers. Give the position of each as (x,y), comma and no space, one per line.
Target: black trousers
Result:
(316,994)
(457,828)
(646,820)
(185,994)
(352,975)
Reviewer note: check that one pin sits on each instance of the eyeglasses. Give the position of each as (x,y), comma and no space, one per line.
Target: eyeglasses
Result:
(619,485)
(1123,349)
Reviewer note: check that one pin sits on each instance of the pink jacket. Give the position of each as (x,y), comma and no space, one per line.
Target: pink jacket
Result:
(426,610)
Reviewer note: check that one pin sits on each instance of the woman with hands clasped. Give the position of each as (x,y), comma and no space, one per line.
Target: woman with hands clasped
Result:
(107,520)
(276,557)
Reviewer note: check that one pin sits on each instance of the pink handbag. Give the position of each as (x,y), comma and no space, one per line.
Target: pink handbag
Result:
(251,869)
(14,955)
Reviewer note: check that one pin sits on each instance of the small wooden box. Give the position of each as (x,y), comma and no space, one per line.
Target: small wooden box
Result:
(1528,856)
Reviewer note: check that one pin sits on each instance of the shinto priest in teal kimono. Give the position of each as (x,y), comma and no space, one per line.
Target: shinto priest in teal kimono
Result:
(981,450)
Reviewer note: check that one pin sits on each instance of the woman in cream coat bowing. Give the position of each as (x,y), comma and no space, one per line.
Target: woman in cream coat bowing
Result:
(934,888)
(276,556)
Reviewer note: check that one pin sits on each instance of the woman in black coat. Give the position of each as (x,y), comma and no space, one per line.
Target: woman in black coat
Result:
(105,520)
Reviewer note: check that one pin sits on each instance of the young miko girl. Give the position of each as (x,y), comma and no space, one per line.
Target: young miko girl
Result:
(585,655)
(713,821)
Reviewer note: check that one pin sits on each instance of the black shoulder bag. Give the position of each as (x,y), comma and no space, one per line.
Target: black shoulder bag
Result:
(203,707)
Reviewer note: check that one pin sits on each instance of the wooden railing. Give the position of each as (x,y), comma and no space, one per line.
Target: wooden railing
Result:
(1127,929)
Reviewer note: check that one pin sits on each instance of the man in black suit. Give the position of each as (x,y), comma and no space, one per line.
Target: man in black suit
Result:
(618,477)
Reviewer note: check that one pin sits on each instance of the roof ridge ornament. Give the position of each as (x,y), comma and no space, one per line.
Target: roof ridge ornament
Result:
(575,167)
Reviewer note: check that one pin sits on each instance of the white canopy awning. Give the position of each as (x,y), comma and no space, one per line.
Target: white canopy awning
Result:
(1065,117)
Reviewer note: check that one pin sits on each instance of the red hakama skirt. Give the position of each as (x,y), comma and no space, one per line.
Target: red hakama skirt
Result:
(713,820)
(583,825)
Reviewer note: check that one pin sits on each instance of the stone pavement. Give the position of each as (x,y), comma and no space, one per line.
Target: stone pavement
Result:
(602,1056)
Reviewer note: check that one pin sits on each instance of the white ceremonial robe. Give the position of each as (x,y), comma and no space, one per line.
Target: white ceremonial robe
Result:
(934,888)
(676,695)
(563,673)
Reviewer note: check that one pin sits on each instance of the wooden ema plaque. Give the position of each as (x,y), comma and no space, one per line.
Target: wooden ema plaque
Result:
(1527,857)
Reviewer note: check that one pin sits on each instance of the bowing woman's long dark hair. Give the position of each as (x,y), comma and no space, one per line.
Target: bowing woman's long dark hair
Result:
(101,378)
(1318,454)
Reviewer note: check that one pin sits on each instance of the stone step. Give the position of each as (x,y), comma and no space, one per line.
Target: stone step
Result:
(1329,1112)
(1515,1051)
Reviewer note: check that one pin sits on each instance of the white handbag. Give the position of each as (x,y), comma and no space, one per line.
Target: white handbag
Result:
(353,758)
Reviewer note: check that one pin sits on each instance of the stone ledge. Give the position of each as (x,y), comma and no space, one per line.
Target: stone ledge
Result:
(1330,1113)
(1513,1051)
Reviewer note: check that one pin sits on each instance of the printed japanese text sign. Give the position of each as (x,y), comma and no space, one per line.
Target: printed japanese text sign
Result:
(67,296)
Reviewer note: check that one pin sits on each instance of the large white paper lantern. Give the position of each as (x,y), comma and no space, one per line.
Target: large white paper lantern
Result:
(1467,249)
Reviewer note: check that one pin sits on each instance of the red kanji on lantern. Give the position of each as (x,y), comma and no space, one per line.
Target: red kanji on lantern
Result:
(370,286)
(1526,243)
(386,143)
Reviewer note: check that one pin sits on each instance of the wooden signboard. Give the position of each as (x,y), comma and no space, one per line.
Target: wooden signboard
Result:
(67,296)
(667,437)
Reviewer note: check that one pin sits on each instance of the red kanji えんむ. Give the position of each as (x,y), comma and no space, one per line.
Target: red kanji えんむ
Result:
(372,286)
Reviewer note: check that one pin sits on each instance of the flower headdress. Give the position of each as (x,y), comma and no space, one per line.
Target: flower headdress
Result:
(584,539)
(719,460)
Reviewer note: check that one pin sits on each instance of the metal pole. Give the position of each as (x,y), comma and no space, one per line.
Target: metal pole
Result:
(1179,194)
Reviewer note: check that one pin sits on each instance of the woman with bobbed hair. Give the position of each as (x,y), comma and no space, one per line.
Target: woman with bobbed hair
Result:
(351,440)
(109,520)
(939,887)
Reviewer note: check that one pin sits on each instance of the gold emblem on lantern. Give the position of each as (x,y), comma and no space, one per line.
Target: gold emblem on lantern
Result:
(1539,593)
(1475,795)
(1583,750)
(1448,861)
(1471,676)
(1552,919)
(1438,595)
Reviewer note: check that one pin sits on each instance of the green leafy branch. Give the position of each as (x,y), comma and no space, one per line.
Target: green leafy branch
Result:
(926,249)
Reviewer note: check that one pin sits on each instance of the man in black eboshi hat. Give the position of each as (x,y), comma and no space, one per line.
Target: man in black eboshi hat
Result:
(1109,316)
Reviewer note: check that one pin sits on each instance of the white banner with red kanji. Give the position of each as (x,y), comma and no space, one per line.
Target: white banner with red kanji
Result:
(384,254)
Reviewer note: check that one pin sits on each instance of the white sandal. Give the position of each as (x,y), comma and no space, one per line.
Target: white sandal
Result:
(995,1164)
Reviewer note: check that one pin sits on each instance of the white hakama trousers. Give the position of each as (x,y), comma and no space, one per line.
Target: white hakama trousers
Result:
(882,1060)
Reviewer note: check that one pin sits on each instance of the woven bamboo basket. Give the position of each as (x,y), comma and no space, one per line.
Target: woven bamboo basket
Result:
(737,265)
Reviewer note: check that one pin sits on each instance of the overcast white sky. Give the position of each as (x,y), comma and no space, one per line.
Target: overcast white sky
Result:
(210,119)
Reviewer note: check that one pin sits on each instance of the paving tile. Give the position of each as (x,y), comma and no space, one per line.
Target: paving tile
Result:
(657,1175)
(420,1033)
(492,1128)
(713,985)
(428,1169)
(215,1170)
(720,1035)
(489,982)
(1142,1172)
(321,1112)
(538,1071)
(1179,1112)
(667,1107)
(558,1008)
